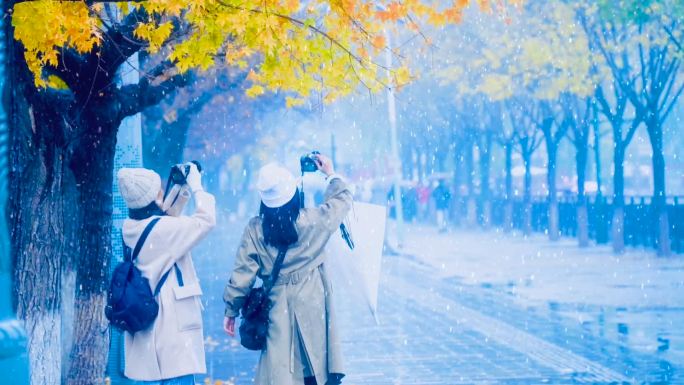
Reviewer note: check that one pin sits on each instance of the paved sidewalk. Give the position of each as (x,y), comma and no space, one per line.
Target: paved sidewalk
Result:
(483,308)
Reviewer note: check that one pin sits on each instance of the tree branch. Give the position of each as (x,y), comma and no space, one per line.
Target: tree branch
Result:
(673,38)
(630,133)
(670,80)
(119,42)
(667,111)
(134,98)
(71,65)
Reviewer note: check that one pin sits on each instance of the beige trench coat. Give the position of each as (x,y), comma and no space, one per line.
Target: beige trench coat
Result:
(302,339)
(174,345)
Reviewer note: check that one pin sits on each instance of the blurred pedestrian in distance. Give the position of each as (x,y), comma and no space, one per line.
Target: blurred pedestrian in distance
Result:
(391,203)
(442,197)
(410,201)
(423,191)
(302,346)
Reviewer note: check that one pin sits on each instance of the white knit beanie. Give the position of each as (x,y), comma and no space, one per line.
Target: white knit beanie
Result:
(276,185)
(138,186)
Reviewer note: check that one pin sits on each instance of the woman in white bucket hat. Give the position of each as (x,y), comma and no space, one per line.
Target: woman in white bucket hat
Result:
(302,345)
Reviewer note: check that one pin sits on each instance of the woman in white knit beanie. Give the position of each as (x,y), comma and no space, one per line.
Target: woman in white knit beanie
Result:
(171,350)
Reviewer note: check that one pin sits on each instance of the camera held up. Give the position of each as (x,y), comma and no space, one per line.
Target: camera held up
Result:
(179,172)
(177,177)
(308,162)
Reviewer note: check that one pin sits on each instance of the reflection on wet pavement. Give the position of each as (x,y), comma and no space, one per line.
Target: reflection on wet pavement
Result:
(457,314)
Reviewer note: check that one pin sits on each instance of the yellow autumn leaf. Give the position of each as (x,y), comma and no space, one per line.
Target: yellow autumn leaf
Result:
(300,48)
(56,82)
(255,91)
(293,102)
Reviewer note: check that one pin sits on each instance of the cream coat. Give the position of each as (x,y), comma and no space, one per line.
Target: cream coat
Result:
(174,345)
(302,338)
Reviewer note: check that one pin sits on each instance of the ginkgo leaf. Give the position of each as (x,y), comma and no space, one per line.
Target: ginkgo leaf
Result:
(300,48)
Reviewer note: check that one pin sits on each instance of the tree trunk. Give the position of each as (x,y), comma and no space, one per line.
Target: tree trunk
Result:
(93,166)
(42,204)
(582,223)
(485,162)
(61,233)
(597,157)
(456,211)
(553,196)
(655,134)
(582,216)
(471,204)
(508,214)
(38,264)
(53,193)
(618,223)
(527,196)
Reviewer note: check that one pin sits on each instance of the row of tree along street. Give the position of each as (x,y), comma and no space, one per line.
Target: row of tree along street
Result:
(528,83)
(66,101)
(557,67)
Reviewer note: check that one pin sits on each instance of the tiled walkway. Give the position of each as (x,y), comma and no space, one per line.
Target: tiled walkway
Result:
(437,328)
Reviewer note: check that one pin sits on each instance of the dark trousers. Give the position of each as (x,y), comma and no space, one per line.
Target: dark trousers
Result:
(333,379)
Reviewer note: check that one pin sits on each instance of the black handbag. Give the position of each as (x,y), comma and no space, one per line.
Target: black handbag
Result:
(254,326)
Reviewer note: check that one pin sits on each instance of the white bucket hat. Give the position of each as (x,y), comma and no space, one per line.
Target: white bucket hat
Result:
(276,185)
(138,186)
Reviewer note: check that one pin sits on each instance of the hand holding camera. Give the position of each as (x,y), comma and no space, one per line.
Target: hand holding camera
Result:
(186,174)
(194,178)
(315,161)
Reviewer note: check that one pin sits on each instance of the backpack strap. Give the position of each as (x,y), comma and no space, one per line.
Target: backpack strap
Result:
(268,285)
(143,237)
(179,278)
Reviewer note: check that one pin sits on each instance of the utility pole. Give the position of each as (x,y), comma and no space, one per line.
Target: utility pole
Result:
(395,159)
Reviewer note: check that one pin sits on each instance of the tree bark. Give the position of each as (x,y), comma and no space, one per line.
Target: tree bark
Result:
(655,134)
(42,203)
(485,163)
(553,194)
(527,195)
(597,156)
(471,204)
(508,211)
(618,223)
(582,216)
(93,167)
(456,200)
(38,264)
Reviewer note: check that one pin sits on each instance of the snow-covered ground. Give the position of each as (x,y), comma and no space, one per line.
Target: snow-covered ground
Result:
(636,299)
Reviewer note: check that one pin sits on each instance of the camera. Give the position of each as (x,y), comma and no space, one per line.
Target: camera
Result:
(179,172)
(308,162)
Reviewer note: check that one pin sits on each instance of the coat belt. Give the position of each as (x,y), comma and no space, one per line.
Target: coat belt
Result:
(295,277)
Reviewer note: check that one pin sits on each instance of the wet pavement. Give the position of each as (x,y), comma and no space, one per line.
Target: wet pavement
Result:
(488,308)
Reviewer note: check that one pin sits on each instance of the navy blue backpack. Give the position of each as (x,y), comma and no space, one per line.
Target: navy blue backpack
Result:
(131,305)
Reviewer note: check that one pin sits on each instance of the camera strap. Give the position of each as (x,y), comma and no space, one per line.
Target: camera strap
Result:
(169,184)
(301,192)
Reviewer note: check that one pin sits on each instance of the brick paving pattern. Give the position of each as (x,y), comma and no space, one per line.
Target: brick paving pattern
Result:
(440,331)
